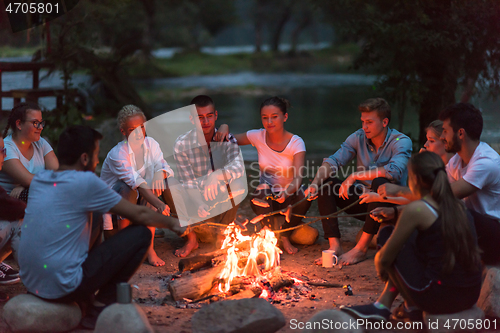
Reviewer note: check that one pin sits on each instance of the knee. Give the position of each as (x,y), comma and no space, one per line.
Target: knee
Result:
(125,191)
(377,182)
(171,181)
(262,191)
(143,234)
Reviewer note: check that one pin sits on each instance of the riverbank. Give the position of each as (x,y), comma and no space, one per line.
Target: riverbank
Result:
(336,59)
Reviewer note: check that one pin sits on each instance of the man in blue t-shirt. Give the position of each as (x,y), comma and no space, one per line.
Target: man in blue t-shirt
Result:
(54,252)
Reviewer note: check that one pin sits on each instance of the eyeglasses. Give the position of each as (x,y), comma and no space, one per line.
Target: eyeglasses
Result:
(4,152)
(37,124)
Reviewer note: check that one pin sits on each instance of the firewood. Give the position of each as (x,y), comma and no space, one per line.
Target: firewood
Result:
(193,263)
(279,281)
(205,260)
(194,285)
(248,293)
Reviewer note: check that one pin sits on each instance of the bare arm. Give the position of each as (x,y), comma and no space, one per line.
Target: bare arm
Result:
(145,216)
(223,133)
(51,161)
(392,190)
(324,172)
(298,166)
(150,197)
(375,197)
(18,172)
(369,174)
(462,189)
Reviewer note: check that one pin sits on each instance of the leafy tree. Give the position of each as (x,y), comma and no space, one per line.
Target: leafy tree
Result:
(425,50)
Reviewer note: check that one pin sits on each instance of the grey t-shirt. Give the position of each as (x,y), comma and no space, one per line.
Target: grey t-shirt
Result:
(56,229)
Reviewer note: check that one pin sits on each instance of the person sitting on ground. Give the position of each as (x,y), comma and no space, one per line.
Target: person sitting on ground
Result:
(57,257)
(381,154)
(201,174)
(11,214)
(432,258)
(474,175)
(27,152)
(281,159)
(136,170)
(433,144)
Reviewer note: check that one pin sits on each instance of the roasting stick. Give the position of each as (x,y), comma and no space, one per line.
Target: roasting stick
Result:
(263,216)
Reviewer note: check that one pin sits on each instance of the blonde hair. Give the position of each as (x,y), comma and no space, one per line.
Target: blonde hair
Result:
(126,112)
(436,126)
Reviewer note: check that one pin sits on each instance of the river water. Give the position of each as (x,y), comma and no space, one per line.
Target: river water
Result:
(324,106)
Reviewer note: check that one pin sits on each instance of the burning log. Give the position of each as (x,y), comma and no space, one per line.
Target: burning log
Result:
(194,285)
(249,293)
(205,260)
(193,263)
(278,281)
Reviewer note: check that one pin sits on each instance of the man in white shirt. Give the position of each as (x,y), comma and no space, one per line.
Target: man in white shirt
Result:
(474,173)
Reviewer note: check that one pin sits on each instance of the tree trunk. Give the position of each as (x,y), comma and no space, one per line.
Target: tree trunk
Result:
(275,42)
(402,112)
(304,23)
(258,21)
(147,40)
(440,93)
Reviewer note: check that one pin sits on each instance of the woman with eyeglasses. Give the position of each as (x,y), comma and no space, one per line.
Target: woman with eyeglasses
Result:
(27,152)
(11,214)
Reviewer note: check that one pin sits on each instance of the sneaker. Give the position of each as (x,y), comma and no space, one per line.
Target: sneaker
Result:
(9,271)
(369,311)
(159,233)
(4,279)
(402,314)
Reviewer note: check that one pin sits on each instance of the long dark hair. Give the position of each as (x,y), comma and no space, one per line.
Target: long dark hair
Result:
(19,113)
(460,245)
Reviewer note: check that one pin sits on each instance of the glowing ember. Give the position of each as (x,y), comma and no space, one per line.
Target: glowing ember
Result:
(264,255)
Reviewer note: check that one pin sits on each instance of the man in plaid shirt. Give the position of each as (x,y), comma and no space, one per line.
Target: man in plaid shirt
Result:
(209,171)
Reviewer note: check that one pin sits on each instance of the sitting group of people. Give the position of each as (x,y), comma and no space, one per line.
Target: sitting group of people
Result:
(432,242)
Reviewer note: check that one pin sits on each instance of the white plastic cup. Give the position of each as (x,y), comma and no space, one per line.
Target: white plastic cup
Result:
(329,258)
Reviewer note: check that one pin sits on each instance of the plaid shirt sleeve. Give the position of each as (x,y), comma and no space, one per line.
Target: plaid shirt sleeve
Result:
(184,167)
(235,165)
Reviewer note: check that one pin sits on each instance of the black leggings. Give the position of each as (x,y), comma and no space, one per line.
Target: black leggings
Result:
(300,209)
(329,200)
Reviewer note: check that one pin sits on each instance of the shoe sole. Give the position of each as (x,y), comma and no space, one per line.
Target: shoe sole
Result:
(10,281)
(359,315)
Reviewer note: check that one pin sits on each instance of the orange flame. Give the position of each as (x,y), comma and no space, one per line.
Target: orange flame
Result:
(262,248)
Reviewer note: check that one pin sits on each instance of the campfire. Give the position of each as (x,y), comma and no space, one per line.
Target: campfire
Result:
(244,267)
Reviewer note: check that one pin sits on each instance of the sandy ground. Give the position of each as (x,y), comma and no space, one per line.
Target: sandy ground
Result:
(154,298)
